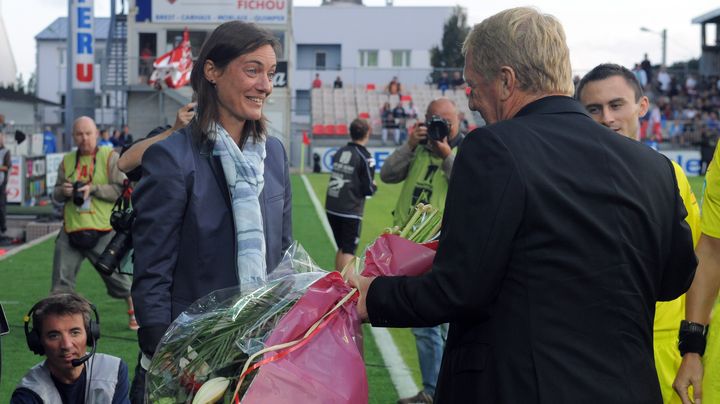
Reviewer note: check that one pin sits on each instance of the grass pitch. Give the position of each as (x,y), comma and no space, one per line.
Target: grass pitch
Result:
(25,279)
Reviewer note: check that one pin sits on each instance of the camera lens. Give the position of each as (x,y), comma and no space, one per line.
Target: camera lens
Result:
(437,129)
(117,248)
(77,196)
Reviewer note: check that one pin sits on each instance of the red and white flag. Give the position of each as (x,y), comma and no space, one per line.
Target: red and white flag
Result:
(174,67)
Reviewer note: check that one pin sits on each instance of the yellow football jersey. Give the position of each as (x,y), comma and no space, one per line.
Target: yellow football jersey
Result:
(711,226)
(669,314)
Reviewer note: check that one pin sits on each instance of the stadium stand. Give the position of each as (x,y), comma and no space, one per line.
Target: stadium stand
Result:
(332,109)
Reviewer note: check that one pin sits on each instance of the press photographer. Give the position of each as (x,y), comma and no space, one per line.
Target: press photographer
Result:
(424,163)
(89,183)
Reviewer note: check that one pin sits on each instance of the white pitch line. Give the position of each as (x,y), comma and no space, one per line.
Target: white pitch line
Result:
(28,245)
(399,372)
(319,210)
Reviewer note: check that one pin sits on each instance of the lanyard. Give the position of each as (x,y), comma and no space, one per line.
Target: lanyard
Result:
(92,166)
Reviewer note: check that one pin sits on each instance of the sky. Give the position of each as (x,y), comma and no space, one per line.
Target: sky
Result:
(597,32)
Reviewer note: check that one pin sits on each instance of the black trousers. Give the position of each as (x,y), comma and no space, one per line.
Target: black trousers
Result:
(137,388)
(3,213)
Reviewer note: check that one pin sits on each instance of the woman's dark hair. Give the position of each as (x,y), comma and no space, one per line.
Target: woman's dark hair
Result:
(226,42)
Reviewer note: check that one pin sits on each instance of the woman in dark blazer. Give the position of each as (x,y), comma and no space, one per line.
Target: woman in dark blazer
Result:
(209,185)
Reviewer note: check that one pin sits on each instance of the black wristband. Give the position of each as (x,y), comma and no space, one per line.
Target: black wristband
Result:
(692,343)
(692,338)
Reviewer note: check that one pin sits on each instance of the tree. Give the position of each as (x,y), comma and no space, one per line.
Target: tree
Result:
(20,83)
(454,32)
(32,83)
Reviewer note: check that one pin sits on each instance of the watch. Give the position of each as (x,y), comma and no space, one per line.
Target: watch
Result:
(693,328)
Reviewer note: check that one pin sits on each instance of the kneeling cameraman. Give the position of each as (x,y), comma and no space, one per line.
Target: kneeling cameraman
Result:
(61,327)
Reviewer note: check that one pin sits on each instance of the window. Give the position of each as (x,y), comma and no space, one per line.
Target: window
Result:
(302,102)
(318,57)
(99,56)
(62,53)
(401,58)
(148,45)
(174,37)
(320,60)
(147,54)
(368,58)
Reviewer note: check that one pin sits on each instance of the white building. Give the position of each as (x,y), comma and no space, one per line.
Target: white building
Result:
(8,69)
(365,44)
(52,74)
(361,45)
(155,27)
(22,111)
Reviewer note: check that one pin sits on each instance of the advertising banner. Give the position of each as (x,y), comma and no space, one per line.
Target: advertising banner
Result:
(280,79)
(219,11)
(15,190)
(83,45)
(326,154)
(52,163)
(689,160)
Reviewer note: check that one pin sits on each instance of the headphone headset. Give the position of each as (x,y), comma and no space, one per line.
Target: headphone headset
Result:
(92,331)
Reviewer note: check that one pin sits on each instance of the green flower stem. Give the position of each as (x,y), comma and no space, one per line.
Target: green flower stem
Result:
(411,223)
(424,226)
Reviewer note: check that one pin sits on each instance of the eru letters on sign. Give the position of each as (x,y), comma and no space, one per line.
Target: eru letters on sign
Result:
(83,52)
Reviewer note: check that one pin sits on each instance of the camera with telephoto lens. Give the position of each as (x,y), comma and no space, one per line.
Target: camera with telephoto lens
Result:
(78,197)
(121,220)
(437,128)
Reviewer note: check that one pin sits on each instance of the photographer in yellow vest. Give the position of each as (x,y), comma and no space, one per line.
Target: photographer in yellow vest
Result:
(88,182)
(424,163)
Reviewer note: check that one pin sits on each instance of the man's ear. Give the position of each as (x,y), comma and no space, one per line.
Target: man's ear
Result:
(644,106)
(506,80)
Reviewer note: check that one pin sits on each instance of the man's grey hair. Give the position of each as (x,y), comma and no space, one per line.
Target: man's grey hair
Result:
(531,43)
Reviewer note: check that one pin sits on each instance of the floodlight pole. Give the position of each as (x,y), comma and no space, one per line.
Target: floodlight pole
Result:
(663,36)
(664,47)
(69,117)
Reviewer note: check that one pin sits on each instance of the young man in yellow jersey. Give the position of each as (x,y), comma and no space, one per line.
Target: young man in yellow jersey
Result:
(700,366)
(613,97)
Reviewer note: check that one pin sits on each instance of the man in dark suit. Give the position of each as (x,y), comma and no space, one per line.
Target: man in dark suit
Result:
(554,249)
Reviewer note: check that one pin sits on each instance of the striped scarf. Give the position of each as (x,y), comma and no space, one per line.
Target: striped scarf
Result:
(244,175)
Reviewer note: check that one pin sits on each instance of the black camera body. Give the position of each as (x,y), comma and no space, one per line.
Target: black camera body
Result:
(121,220)
(77,196)
(437,128)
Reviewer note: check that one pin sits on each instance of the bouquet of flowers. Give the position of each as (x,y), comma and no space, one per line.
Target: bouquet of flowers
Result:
(286,341)
(296,338)
(408,250)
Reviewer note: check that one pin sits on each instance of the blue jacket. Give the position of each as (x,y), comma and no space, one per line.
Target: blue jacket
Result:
(184,234)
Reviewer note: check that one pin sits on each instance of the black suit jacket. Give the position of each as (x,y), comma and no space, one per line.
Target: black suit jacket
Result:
(558,238)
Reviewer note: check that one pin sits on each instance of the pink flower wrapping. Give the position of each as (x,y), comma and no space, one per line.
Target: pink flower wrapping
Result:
(392,255)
